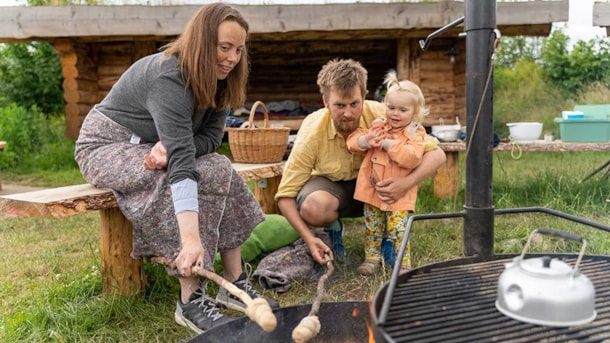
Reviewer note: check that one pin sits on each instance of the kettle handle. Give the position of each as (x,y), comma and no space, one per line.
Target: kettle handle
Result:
(560,234)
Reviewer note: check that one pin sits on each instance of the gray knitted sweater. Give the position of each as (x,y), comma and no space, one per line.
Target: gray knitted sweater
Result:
(151,99)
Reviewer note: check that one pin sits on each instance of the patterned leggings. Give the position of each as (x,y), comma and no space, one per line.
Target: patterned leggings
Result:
(391,224)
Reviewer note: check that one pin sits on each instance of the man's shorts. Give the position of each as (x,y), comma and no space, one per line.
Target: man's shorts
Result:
(342,190)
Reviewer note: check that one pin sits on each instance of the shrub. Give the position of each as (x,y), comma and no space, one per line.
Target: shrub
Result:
(30,74)
(35,142)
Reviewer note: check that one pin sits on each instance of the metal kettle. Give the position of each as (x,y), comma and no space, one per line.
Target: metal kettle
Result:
(545,290)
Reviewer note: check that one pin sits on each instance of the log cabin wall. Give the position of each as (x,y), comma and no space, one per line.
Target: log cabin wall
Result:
(288,70)
(90,69)
(280,70)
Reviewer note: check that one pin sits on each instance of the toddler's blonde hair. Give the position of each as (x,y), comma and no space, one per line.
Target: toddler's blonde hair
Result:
(394,85)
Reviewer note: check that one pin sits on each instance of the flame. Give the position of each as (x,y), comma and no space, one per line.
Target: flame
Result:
(367,321)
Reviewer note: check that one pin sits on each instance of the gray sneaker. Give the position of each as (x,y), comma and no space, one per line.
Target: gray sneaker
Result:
(200,313)
(225,298)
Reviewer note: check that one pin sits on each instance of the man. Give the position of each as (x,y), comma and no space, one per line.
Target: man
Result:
(319,178)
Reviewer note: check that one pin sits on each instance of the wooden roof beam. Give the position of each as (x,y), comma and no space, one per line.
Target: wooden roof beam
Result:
(45,22)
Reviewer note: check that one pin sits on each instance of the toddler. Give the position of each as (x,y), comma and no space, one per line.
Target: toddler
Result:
(394,146)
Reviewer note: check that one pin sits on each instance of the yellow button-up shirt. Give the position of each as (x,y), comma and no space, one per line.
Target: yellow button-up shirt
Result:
(319,150)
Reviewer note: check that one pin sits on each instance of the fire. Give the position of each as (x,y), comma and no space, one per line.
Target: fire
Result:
(367,321)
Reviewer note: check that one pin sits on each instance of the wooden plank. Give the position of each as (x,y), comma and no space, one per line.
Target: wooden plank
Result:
(70,200)
(446,177)
(601,14)
(540,145)
(84,21)
(54,202)
(256,171)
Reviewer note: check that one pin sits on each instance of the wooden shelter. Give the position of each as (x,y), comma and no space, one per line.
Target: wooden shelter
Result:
(601,15)
(288,45)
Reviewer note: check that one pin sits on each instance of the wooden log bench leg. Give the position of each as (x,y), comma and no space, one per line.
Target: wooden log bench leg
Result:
(446,178)
(264,192)
(121,274)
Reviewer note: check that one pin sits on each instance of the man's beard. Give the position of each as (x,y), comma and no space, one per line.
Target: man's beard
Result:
(346,127)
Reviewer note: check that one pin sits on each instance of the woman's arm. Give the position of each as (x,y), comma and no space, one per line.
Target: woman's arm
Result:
(208,137)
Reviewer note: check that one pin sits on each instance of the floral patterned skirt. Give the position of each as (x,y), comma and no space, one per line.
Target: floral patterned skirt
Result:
(228,211)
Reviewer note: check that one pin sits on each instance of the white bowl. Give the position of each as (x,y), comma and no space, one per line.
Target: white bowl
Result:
(525,132)
(448,135)
(438,128)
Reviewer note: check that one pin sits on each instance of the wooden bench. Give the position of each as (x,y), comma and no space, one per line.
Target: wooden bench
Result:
(446,181)
(121,274)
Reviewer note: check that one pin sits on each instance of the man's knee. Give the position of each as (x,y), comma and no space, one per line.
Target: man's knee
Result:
(319,209)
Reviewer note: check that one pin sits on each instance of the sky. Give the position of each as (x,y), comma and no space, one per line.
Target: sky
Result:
(579,25)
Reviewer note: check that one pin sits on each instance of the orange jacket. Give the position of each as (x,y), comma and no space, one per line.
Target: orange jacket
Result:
(403,156)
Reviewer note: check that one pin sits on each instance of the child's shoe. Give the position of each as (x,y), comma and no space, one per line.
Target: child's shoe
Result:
(369,266)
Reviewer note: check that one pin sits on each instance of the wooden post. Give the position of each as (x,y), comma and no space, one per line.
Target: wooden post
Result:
(121,274)
(264,192)
(446,179)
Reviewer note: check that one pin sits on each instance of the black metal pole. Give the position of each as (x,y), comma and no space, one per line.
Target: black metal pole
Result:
(479,24)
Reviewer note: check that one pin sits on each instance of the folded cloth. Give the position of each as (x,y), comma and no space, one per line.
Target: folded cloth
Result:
(281,268)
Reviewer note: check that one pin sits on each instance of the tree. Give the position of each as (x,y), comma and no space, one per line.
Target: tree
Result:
(588,62)
(30,75)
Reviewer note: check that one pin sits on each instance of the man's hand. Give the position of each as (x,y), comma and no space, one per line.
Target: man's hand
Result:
(392,189)
(157,159)
(318,249)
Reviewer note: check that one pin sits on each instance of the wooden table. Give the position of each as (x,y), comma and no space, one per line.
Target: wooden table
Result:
(446,181)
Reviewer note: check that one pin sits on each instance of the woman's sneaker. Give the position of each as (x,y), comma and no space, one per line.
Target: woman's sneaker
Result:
(200,313)
(225,298)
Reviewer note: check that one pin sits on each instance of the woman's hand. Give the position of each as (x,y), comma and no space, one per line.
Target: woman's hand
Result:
(192,251)
(190,255)
(157,159)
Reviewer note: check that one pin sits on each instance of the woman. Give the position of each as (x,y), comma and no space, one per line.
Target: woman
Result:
(152,141)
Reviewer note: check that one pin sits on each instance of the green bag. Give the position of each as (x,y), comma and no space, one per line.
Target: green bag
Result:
(273,233)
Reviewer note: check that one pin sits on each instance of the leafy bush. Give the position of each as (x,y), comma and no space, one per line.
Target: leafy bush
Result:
(35,142)
(30,74)
(586,63)
(522,94)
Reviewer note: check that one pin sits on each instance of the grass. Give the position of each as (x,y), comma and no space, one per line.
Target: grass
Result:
(51,285)
(50,282)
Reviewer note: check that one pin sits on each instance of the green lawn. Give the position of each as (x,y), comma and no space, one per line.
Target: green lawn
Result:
(50,271)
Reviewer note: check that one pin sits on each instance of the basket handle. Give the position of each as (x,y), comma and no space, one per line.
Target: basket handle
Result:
(253,111)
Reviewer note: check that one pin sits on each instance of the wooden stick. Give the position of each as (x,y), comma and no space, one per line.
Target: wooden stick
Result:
(258,310)
(309,327)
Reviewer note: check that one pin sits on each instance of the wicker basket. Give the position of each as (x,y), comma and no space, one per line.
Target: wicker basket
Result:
(258,145)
